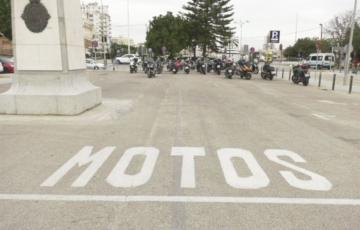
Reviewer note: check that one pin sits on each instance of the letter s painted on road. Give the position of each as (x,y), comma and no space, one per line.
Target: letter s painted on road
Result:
(317,182)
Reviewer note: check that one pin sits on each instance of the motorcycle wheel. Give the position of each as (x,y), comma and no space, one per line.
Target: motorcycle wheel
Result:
(306,82)
(263,75)
(248,76)
(271,78)
(295,79)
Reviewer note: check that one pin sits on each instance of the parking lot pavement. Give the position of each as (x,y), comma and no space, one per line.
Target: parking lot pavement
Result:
(186,152)
(5,79)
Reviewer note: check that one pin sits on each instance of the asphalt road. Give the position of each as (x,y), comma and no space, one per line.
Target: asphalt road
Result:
(251,155)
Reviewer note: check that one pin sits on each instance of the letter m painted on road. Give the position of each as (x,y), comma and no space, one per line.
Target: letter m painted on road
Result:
(83,158)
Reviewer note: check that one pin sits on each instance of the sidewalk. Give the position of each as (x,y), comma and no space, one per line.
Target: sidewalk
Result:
(327,78)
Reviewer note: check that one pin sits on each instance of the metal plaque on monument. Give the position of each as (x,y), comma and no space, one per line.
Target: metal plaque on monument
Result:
(49,52)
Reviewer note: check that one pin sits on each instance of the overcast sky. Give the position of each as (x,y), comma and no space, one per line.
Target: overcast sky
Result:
(263,16)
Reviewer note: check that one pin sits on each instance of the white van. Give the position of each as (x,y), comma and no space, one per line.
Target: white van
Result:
(321,60)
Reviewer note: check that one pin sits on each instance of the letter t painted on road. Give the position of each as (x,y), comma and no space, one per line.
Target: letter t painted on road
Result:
(188,164)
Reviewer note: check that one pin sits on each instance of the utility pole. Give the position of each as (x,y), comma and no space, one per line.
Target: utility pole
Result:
(296,27)
(103,40)
(128,20)
(241,32)
(348,52)
(321,33)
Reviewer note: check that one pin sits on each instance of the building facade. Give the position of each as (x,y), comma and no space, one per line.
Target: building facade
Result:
(6,48)
(97,25)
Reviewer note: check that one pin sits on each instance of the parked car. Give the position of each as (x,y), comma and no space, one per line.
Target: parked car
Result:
(8,65)
(126,59)
(321,60)
(92,64)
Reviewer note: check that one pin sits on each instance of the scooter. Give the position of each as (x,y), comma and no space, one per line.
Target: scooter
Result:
(203,68)
(187,68)
(151,69)
(268,72)
(301,74)
(230,70)
(244,71)
(159,67)
(218,67)
(133,66)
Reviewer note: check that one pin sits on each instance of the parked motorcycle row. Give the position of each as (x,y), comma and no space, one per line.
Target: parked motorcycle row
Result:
(245,70)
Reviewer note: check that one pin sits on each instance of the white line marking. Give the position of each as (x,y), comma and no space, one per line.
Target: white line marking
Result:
(180,199)
(324,116)
(331,102)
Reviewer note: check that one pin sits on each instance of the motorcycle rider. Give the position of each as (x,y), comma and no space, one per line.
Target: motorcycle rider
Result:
(133,65)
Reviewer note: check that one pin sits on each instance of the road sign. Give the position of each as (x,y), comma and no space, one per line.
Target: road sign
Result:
(246,49)
(275,36)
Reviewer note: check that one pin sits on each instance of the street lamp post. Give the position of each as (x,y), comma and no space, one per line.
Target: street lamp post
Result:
(241,32)
(321,32)
(348,52)
(128,21)
(102,18)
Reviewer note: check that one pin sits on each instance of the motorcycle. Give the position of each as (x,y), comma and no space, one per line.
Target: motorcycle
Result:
(218,67)
(244,71)
(145,66)
(151,69)
(268,72)
(133,66)
(159,67)
(173,67)
(203,68)
(301,74)
(168,66)
(210,66)
(187,68)
(230,70)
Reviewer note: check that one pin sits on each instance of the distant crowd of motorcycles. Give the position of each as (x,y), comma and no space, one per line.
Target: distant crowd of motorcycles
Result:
(242,69)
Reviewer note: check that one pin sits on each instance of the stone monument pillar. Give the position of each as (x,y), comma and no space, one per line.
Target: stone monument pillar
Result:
(49,52)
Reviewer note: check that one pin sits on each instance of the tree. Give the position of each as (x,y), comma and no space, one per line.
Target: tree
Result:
(5,18)
(356,41)
(290,52)
(210,21)
(168,31)
(338,27)
(304,47)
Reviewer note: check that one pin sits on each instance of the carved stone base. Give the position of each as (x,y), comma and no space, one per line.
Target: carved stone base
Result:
(50,93)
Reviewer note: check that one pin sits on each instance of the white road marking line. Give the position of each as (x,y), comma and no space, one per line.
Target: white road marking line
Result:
(331,102)
(323,116)
(180,199)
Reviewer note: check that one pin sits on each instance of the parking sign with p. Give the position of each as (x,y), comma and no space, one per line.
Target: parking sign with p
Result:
(275,36)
